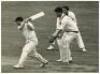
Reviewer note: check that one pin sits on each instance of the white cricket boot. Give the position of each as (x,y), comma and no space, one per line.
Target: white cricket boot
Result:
(59,60)
(51,47)
(17,66)
(43,64)
(84,50)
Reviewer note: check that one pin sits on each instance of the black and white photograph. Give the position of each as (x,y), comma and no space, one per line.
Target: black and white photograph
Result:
(49,36)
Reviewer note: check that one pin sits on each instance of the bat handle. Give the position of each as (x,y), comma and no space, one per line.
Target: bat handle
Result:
(27,19)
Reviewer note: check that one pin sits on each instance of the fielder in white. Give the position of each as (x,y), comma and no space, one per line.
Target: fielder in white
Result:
(28,31)
(68,32)
(79,39)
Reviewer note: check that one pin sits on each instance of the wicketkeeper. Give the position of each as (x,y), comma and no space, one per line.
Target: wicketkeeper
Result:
(79,39)
(66,31)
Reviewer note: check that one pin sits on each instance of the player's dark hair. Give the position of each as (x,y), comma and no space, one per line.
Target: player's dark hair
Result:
(58,9)
(19,19)
(66,7)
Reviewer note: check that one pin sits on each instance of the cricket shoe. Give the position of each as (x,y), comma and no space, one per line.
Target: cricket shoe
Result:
(70,60)
(67,62)
(18,66)
(84,50)
(59,60)
(42,65)
(50,47)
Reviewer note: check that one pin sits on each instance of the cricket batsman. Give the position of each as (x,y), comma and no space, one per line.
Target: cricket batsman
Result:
(79,39)
(28,31)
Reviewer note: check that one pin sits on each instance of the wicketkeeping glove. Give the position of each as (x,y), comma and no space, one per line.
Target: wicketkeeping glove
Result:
(54,36)
(52,39)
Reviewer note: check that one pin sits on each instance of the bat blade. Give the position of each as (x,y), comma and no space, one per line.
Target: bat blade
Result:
(37,16)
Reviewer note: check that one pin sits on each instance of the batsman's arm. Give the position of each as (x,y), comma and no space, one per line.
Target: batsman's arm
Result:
(20,27)
(30,26)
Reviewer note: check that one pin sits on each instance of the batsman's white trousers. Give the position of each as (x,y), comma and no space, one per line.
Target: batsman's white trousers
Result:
(30,46)
(64,45)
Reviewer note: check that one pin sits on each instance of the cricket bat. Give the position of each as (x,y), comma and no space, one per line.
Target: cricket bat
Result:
(37,16)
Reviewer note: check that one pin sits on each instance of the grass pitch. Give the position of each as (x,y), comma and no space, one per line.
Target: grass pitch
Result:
(12,41)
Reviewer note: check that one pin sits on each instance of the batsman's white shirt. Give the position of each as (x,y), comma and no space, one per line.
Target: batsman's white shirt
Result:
(29,35)
(31,43)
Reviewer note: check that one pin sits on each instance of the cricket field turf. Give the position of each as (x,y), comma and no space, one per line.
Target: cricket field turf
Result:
(12,41)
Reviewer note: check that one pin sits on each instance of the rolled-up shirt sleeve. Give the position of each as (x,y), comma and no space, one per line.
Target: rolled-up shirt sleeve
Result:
(20,27)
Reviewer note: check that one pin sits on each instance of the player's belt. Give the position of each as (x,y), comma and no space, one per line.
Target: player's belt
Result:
(72,31)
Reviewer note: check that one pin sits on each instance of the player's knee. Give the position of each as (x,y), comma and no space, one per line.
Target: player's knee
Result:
(66,46)
(26,50)
(36,55)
